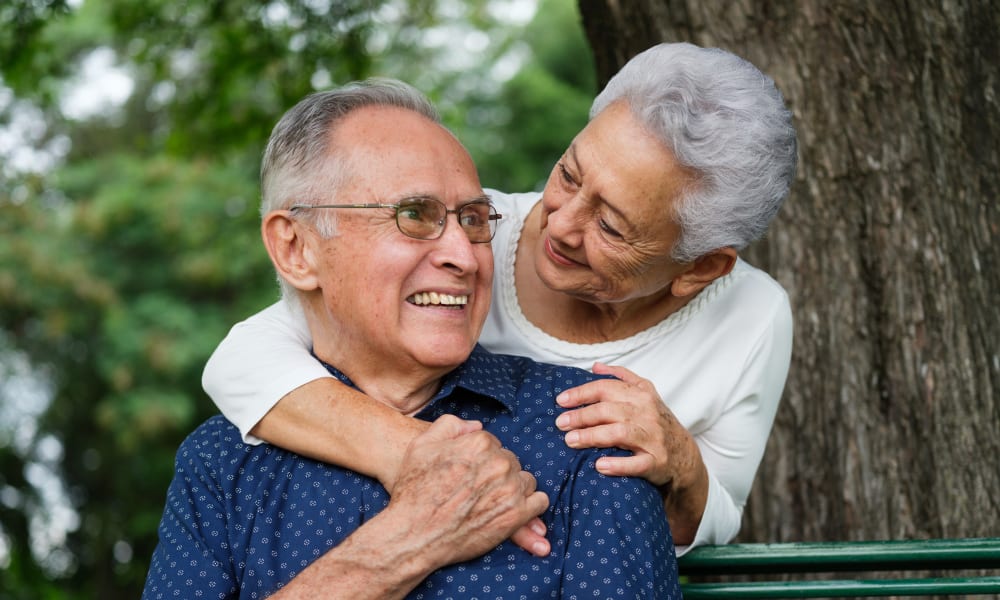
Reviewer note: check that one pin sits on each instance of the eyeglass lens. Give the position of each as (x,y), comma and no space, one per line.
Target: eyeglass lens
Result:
(425,219)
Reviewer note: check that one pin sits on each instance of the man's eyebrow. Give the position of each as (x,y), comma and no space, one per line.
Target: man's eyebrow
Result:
(419,196)
(411,195)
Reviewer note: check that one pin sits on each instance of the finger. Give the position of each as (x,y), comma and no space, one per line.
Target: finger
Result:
(592,416)
(538,526)
(528,538)
(448,427)
(611,435)
(639,465)
(606,390)
(622,373)
(536,503)
(528,483)
(494,465)
(587,393)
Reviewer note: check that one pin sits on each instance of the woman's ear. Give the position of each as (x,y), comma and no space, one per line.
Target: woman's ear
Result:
(289,244)
(704,271)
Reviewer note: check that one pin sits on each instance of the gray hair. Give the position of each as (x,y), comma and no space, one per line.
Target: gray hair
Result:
(722,118)
(299,164)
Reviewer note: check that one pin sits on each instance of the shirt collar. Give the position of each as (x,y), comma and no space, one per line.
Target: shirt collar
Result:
(483,373)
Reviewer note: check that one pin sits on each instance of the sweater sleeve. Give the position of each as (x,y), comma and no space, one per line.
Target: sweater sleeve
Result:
(721,520)
(734,446)
(260,361)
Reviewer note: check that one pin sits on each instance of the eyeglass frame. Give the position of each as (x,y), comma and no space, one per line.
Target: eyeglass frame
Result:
(492,217)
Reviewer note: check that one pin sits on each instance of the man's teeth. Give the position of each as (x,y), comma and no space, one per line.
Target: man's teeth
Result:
(436,298)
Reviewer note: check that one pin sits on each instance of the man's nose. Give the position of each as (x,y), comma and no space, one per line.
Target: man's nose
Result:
(455,248)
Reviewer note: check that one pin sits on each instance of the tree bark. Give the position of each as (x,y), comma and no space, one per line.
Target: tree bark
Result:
(890,422)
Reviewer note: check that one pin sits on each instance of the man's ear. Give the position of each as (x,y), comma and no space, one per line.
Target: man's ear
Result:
(704,271)
(288,244)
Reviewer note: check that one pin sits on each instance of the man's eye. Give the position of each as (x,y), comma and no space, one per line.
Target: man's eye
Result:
(413,212)
(475,215)
(471,219)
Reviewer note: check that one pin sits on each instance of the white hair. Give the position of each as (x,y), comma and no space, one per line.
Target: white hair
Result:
(723,119)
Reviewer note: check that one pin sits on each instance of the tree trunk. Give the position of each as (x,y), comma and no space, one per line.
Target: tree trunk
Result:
(890,422)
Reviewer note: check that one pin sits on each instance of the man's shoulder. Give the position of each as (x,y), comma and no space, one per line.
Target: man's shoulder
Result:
(214,438)
(214,430)
(540,446)
(216,447)
(521,371)
(529,388)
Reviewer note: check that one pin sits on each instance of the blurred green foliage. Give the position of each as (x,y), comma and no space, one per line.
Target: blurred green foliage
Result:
(120,290)
(122,268)
(542,107)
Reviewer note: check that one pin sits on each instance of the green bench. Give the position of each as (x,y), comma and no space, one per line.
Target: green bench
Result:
(799,562)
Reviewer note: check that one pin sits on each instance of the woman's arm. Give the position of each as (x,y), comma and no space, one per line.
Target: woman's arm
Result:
(326,420)
(264,379)
(260,361)
(733,446)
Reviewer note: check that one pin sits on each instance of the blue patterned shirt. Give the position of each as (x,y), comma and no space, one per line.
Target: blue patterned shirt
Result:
(241,521)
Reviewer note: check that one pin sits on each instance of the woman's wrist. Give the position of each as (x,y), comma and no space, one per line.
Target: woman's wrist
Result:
(404,429)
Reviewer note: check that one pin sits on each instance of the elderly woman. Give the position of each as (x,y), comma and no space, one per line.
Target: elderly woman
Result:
(627,258)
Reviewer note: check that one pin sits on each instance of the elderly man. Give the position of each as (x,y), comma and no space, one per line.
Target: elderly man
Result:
(359,187)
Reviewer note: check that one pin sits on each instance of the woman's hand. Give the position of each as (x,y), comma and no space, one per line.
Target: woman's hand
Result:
(628,413)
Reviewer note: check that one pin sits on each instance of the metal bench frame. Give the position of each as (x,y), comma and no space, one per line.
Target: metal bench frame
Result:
(803,558)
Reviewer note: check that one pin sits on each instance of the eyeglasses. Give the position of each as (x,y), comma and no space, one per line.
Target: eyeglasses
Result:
(423,218)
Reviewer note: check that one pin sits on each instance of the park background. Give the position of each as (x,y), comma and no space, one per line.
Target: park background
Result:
(130,137)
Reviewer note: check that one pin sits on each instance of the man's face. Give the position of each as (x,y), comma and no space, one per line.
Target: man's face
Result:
(391,301)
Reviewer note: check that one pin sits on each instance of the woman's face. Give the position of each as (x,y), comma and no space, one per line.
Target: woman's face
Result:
(606,224)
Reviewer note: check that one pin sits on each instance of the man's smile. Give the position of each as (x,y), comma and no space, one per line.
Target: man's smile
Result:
(438,299)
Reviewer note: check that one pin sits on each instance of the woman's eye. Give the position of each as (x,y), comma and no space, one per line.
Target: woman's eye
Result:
(565,175)
(608,228)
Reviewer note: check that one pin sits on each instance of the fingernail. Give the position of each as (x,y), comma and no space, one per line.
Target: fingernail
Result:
(540,548)
(561,399)
(538,527)
(572,438)
(562,421)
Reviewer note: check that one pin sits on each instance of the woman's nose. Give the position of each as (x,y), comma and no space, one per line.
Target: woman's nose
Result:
(563,216)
